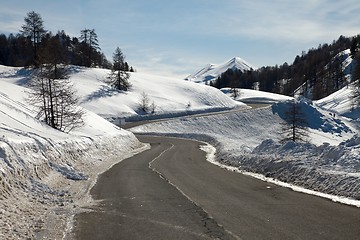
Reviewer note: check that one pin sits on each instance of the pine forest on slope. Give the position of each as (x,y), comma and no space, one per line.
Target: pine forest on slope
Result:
(315,74)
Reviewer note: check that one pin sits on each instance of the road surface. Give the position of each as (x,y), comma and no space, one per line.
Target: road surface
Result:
(138,200)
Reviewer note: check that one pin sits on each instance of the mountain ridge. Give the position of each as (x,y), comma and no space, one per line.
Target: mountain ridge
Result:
(211,71)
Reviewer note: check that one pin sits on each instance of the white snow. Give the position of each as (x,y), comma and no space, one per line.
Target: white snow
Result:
(39,165)
(249,141)
(211,157)
(45,174)
(170,95)
(43,171)
(254,96)
(347,61)
(211,71)
(340,103)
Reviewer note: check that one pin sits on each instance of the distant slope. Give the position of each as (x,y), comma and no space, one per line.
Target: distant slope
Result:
(211,71)
(341,103)
(170,96)
(347,65)
(255,96)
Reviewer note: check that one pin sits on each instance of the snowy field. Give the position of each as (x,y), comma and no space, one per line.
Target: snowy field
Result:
(329,163)
(45,174)
(170,96)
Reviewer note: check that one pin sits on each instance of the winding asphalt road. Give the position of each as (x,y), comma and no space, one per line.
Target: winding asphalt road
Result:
(148,197)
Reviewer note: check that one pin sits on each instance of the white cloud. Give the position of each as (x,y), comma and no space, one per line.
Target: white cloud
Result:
(181,36)
(301,21)
(164,62)
(10,20)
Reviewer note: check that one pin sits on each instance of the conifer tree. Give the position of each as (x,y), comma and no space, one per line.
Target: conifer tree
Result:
(90,44)
(34,29)
(355,97)
(119,77)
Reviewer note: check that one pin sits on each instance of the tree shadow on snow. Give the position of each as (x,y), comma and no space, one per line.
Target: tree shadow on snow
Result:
(26,76)
(314,118)
(103,92)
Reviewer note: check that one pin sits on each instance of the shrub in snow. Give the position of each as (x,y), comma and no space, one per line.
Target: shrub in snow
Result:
(188,105)
(152,107)
(144,103)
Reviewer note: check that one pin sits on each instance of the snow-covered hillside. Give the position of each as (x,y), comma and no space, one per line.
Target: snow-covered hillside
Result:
(249,140)
(43,169)
(340,103)
(346,60)
(347,66)
(211,71)
(171,96)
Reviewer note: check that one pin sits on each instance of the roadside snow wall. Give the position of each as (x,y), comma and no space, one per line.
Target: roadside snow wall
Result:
(37,176)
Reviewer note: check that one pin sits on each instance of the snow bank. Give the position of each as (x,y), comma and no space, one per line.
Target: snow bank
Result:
(234,132)
(45,173)
(255,96)
(328,169)
(39,177)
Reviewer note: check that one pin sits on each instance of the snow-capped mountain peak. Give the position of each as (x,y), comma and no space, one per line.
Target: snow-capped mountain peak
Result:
(239,63)
(212,71)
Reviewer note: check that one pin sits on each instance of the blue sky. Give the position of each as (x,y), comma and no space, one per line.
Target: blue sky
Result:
(179,37)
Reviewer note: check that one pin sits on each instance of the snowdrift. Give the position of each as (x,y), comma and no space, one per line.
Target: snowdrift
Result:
(42,168)
(325,168)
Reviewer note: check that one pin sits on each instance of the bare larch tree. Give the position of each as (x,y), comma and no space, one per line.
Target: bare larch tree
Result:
(295,128)
(51,91)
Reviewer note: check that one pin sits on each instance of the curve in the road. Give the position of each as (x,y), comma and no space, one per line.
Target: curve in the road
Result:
(137,204)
